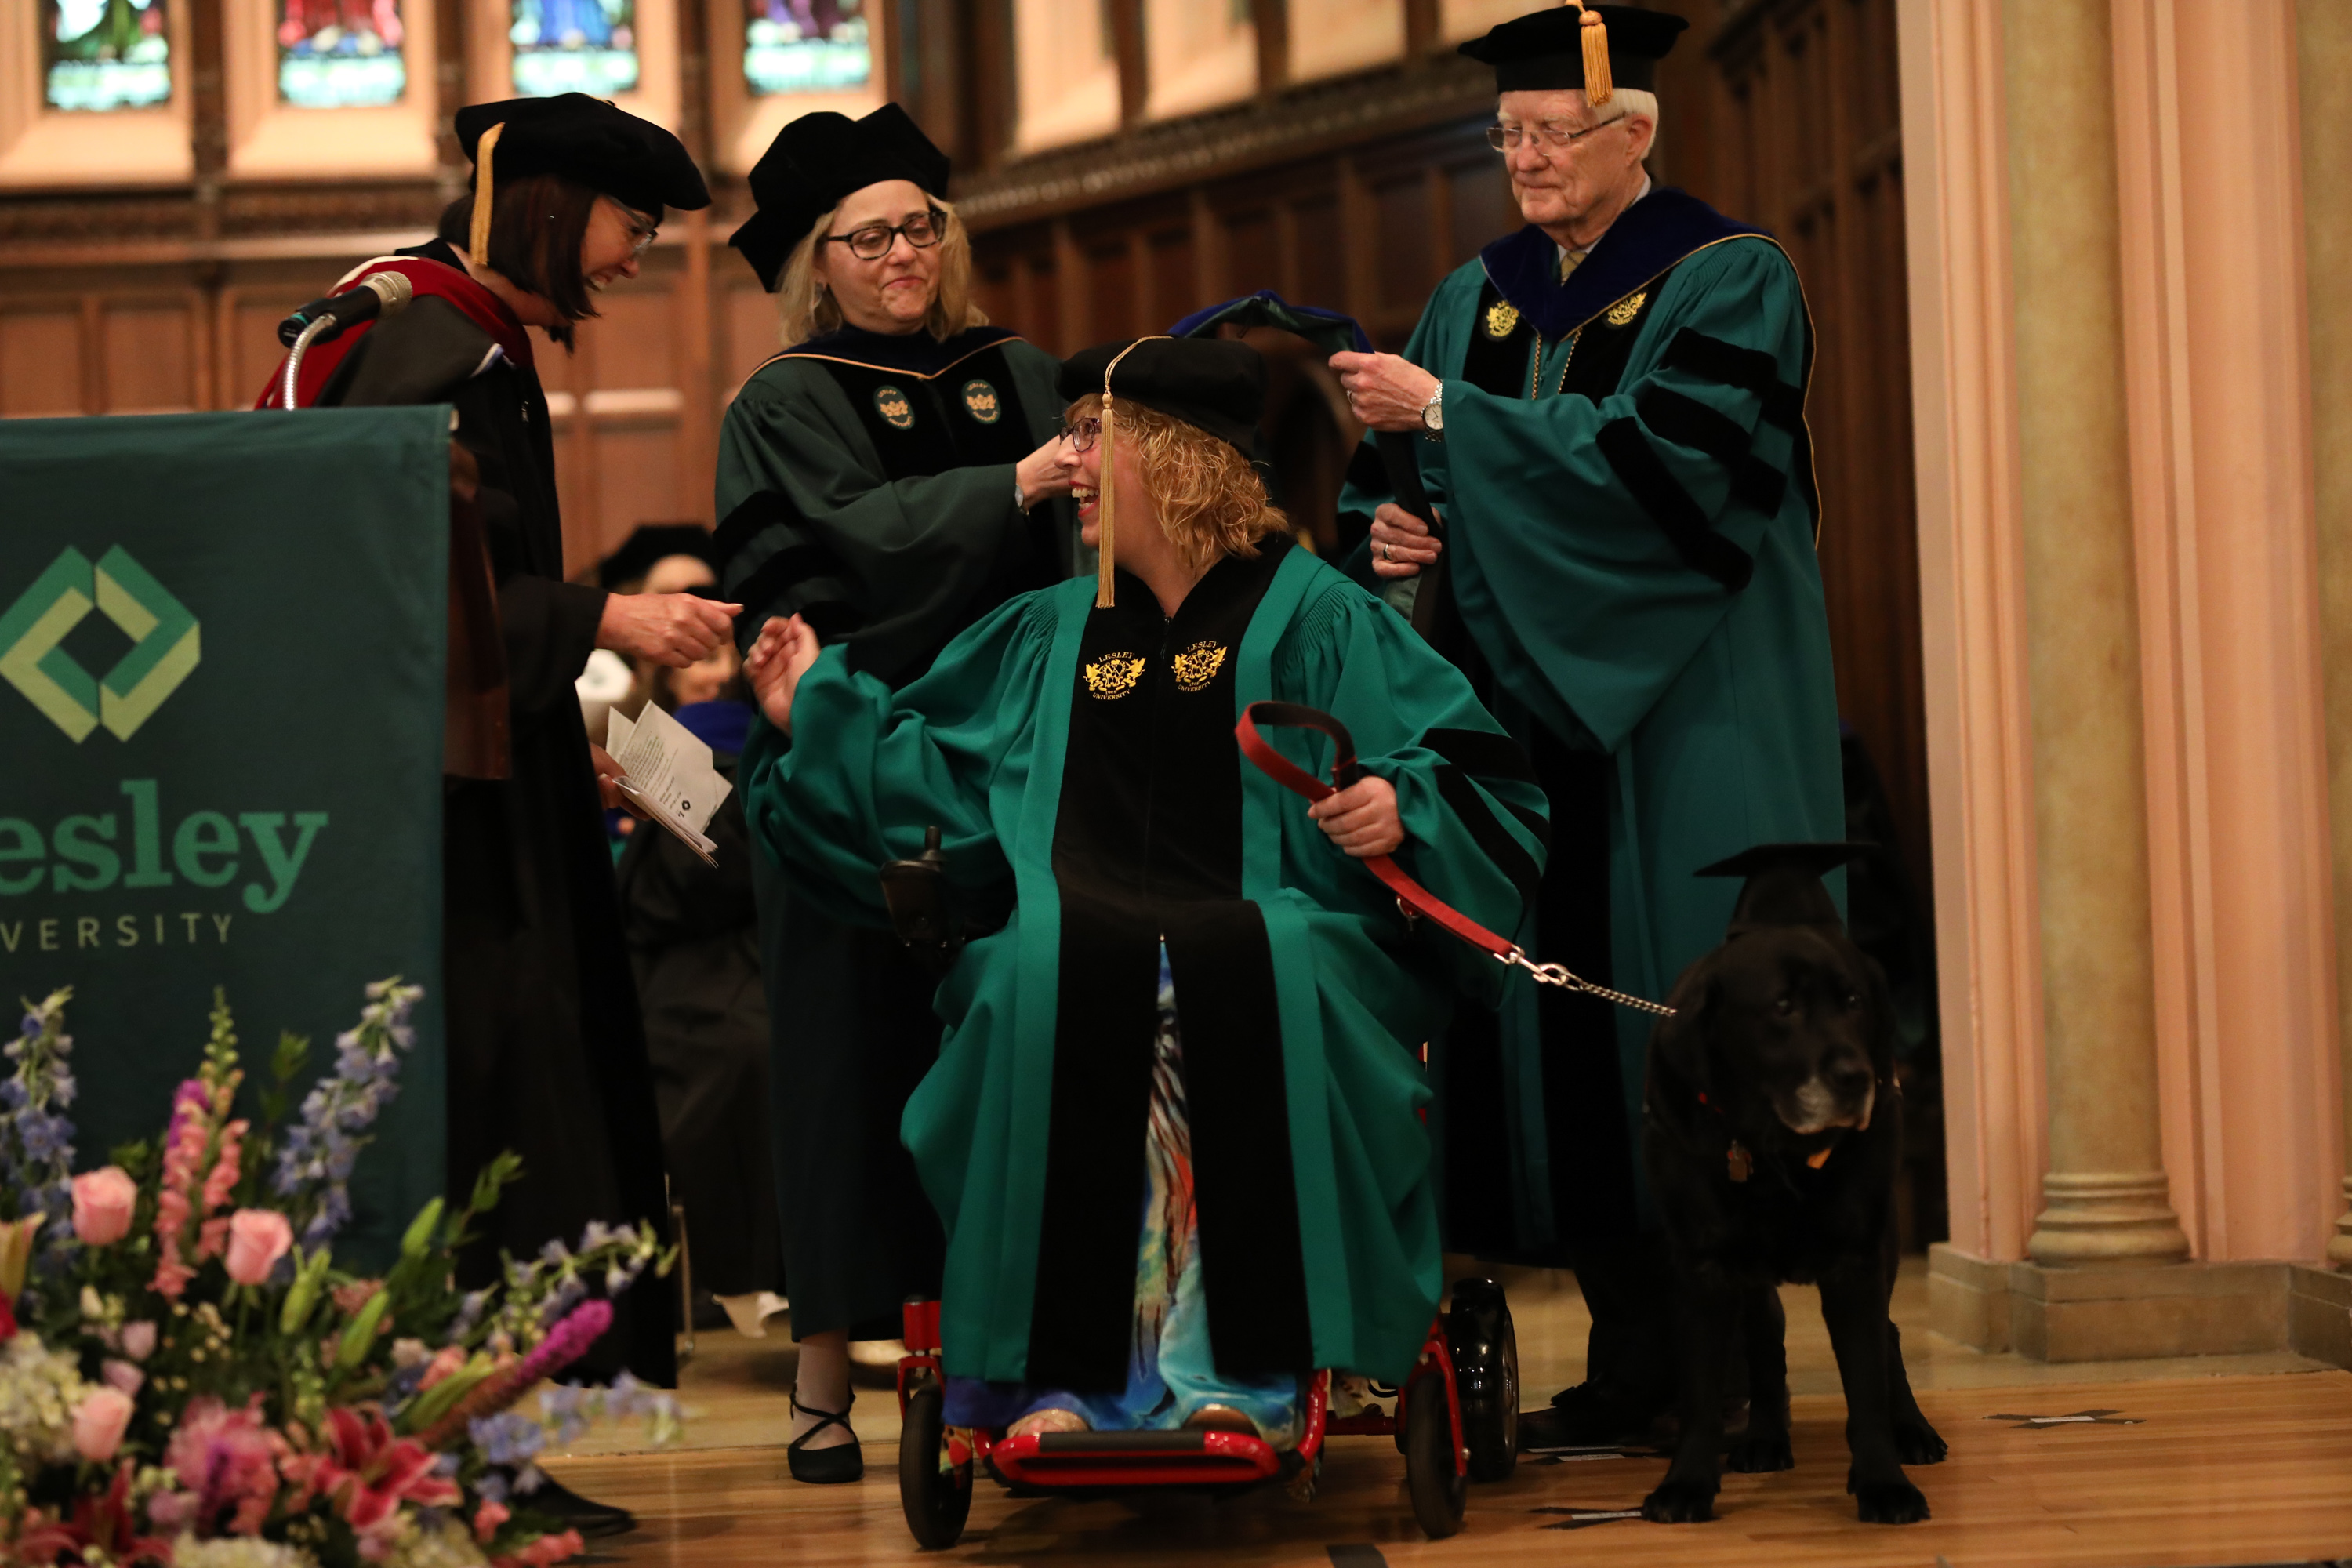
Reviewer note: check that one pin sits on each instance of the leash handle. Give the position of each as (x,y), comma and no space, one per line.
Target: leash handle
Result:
(1411,896)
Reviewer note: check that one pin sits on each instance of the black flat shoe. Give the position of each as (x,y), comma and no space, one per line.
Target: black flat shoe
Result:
(825,1467)
(592,1520)
(1585,1416)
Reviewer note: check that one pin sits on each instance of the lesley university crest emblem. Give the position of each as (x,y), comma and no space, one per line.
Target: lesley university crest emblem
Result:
(162,634)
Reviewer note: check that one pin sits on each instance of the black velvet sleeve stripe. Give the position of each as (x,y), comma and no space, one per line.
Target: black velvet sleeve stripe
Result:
(1494,840)
(1750,370)
(1702,549)
(1687,422)
(1535,822)
(760,510)
(1482,751)
(782,585)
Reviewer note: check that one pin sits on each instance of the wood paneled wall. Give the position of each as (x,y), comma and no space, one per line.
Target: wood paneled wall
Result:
(1357,192)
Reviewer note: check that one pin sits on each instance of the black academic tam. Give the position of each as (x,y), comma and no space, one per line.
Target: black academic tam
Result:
(1215,384)
(1544,51)
(605,148)
(818,162)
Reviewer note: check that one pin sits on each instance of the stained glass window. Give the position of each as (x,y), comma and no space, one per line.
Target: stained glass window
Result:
(805,46)
(105,54)
(574,45)
(339,54)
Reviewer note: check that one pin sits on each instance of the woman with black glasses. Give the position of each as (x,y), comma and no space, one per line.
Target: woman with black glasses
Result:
(890,477)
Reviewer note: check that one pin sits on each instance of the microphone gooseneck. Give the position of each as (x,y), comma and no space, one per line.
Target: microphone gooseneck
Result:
(322,321)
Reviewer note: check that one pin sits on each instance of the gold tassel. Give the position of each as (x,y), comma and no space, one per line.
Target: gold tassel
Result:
(1103,567)
(478,240)
(1598,85)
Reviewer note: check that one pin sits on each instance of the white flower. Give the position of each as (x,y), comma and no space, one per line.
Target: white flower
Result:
(39,1391)
(237,1552)
(448,1546)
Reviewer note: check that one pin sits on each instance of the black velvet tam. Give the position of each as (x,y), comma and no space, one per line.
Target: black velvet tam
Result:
(1215,384)
(1543,51)
(818,162)
(1783,885)
(633,161)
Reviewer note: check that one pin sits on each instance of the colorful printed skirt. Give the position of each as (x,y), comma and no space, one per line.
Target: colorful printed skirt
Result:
(1170,1374)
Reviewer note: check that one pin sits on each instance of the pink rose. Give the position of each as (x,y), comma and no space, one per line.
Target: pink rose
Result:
(139,1339)
(102,1202)
(123,1375)
(98,1422)
(257,1238)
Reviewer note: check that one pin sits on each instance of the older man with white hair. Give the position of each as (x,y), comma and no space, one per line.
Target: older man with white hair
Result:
(1613,404)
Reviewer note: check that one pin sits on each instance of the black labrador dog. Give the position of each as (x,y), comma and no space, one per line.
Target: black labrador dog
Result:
(1773,1132)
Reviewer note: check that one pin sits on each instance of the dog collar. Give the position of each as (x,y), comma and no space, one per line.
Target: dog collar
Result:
(1740,1165)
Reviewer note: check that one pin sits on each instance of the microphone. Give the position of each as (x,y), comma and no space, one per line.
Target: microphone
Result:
(379,295)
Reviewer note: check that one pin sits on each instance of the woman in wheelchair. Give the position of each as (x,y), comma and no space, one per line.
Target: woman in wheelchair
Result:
(1175,1133)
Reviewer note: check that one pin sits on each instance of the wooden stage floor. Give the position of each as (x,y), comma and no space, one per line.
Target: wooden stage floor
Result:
(2217,1471)
(2231,1470)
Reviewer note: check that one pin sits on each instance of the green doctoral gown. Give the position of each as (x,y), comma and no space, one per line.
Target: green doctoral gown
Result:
(865,482)
(1628,494)
(1081,765)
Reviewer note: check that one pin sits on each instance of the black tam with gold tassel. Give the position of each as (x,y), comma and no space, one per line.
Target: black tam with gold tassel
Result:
(1592,49)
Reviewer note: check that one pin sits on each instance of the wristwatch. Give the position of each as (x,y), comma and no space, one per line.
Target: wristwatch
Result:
(1432,415)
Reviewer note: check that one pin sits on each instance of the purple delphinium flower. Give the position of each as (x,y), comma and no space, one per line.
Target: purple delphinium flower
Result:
(316,1156)
(36,1138)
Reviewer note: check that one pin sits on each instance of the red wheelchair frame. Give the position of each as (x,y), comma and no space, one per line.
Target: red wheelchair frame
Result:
(937,1463)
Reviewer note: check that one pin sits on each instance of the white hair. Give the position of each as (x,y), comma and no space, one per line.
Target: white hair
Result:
(1625,103)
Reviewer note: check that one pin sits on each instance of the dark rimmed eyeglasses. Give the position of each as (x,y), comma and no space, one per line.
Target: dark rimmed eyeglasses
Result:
(873,242)
(1507,138)
(1082,434)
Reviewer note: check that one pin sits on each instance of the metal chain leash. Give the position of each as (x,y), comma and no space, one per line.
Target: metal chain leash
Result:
(1560,976)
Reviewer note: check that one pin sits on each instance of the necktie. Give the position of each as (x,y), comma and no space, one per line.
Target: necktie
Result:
(1569,261)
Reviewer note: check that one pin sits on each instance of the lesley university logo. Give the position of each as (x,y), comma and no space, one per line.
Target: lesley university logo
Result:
(162,634)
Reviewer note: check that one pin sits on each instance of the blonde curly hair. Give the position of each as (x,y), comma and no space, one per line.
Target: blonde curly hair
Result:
(806,311)
(1210,501)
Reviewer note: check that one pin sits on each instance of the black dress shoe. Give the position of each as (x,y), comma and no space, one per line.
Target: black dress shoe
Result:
(825,1467)
(592,1520)
(1587,1417)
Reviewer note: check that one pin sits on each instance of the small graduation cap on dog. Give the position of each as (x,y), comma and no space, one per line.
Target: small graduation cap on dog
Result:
(1784,884)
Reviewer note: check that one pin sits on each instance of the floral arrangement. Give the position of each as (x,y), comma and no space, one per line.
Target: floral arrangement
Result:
(188,1378)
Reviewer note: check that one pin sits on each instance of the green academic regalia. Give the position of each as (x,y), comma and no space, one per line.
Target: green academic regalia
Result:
(1628,493)
(1081,764)
(867,483)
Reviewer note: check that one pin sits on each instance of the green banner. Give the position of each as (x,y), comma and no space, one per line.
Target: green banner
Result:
(221,667)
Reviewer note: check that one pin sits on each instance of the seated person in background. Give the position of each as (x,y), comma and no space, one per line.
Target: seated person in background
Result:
(694,944)
(1173,1133)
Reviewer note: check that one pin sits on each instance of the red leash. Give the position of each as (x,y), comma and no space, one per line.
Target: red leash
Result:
(1412,897)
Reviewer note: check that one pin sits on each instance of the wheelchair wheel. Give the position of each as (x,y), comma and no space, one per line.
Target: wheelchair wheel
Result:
(1487,1374)
(935,1495)
(1438,1491)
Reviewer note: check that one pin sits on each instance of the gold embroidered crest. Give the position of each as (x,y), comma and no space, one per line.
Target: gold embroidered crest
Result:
(893,404)
(979,401)
(1198,665)
(1502,318)
(1622,312)
(1113,676)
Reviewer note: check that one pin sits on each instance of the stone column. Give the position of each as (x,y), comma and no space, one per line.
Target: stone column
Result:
(2325,43)
(2105,1199)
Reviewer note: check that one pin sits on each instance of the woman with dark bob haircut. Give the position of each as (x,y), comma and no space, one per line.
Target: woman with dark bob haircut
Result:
(546,1049)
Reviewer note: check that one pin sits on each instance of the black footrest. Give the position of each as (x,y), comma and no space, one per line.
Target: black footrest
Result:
(1186,1442)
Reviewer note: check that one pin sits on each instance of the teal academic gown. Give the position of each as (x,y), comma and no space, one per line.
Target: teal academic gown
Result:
(866,483)
(1081,765)
(1628,493)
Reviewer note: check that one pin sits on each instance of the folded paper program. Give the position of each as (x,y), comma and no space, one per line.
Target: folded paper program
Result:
(670,778)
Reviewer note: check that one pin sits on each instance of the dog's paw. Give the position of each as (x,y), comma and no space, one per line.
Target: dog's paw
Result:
(1756,1455)
(1679,1502)
(1917,1443)
(1889,1502)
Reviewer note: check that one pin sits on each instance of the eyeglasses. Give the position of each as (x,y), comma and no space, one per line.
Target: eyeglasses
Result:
(873,242)
(642,229)
(1506,138)
(1082,435)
